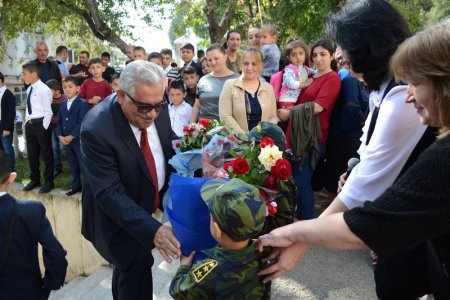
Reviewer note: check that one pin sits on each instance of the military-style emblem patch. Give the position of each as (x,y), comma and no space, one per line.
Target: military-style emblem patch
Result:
(203,270)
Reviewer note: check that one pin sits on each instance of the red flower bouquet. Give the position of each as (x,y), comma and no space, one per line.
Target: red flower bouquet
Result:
(263,166)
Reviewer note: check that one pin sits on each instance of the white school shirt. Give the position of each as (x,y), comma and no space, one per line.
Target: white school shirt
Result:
(397,132)
(179,117)
(41,103)
(70,101)
(155,146)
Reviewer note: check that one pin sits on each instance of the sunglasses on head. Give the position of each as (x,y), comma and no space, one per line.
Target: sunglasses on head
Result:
(146,108)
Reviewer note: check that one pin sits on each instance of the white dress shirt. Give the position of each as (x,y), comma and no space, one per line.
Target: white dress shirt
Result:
(179,117)
(155,146)
(397,132)
(70,101)
(2,91)
(41,103)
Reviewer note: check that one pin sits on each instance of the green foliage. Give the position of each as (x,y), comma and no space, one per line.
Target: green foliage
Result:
(439,10)
(413,11)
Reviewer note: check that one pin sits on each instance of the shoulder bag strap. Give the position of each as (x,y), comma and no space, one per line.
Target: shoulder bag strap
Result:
(9,236)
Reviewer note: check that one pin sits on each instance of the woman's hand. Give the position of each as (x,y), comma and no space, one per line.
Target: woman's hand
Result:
(286,259)
(341,182)
(283,114)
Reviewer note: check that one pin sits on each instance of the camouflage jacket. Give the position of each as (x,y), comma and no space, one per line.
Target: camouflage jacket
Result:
(226,274)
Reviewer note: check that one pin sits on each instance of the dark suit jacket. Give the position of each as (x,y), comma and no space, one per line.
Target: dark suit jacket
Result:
(8,111)
(69,121)
(21,277)
(118,193)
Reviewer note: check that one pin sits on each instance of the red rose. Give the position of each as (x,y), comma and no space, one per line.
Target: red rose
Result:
(266,141)
(271,182)
(227,165)
(204,122)
(240,166)
(272,209)
(282,169)
(178,144)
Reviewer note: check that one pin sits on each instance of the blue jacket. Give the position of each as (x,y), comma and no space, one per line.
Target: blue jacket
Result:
(21,277)
(69,121)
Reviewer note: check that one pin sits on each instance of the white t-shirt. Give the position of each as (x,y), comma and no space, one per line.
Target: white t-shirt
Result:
(179,117)
(397,132)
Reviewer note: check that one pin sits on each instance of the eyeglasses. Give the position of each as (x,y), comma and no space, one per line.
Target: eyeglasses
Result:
(146,108)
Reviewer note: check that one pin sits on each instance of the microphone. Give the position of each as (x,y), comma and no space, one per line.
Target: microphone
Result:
(352,162)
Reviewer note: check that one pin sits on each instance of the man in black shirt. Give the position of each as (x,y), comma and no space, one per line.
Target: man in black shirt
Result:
(49,69)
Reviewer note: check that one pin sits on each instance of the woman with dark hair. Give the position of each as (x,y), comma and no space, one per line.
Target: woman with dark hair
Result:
(323,93)
(232,45)
(413,211)
(210,86)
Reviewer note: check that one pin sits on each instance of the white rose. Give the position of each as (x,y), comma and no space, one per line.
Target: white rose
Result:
(269,156)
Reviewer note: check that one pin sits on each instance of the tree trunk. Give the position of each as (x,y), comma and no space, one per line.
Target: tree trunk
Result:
(217,30)
(93,19)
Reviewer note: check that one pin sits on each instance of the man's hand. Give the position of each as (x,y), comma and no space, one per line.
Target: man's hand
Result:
(167,243)
(6,133)
(187,261)
(287,260)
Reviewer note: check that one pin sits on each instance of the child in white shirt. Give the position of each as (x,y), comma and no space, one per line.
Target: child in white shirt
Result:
(179,110)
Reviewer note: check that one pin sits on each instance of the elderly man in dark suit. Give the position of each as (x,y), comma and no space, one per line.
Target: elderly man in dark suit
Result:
(126,142)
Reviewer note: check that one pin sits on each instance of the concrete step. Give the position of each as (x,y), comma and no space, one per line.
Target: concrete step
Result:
(98,285)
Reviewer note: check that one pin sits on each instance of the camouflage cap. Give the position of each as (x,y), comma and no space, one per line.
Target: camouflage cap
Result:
(236,207)
(265,129)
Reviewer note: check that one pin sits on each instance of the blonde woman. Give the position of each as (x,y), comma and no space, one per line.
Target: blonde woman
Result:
(246,101)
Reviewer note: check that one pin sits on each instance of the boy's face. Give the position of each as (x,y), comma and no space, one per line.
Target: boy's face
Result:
(29,77)
(139,55)
(167,59)
(176,96)
(115,85)
(106,61)
(96,70)
(70,89)
(190,80)
(156,60)
(55,93)
(187,55)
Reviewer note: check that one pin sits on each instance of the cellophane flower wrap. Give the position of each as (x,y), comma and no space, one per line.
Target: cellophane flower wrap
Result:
(203,147)
(263,165)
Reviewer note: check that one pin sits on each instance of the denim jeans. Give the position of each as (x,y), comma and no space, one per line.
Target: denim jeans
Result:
(7,145)
(57,147)
(305,197)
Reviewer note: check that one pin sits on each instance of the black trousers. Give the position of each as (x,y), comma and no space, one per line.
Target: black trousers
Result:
(39,142)
(135,283)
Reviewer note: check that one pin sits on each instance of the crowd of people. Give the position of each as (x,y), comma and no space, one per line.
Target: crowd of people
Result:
(344,98)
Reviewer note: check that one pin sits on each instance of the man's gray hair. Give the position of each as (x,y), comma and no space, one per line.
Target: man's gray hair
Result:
(143,72)
(39,43)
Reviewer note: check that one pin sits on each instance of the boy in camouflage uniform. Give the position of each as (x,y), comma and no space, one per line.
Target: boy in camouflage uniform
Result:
(237,215)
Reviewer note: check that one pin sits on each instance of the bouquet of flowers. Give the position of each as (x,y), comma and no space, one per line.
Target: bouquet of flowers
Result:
(263,165)
(197,139)
(198,135)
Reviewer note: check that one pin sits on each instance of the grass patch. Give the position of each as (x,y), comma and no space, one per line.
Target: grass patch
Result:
(63,181)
